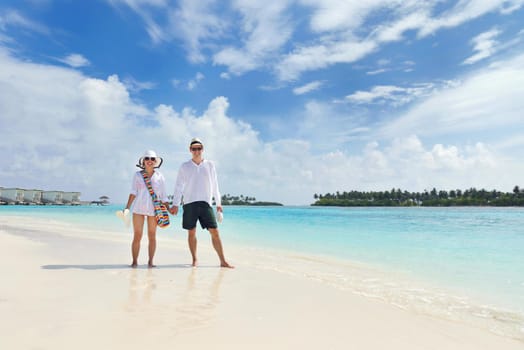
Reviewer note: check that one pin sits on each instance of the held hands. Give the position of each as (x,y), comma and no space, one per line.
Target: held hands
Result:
(173,210)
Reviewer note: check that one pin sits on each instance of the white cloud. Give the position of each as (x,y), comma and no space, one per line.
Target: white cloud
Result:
(335,15)
(486,100)
(195,23)
(304,89)
(377,71)
(191,22)
(88,138)
(394,95)
(136,4)
(325,126)
(13,18)
(408,164)
(134,85)
(145,8)
(264,30)
(192,84)
(75,60)
(238,61)
(394,31)
(348,37)
(377,92)
(484,45)
(339,31)
(315,57)
(467,10)
(384,66)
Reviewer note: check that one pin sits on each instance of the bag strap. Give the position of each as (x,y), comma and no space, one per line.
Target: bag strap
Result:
(147,180)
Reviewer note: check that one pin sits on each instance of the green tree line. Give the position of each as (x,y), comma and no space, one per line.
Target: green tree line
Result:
(397,197)
(228,199)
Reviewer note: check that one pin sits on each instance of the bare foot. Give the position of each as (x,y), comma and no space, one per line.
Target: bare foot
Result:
(195,263)
(226,264)
(134,265)
(150,265)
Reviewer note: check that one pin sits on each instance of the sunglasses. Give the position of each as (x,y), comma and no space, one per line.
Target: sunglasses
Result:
(150,158)
(196,148)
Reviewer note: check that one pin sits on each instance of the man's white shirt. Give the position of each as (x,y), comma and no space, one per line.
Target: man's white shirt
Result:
(197,182)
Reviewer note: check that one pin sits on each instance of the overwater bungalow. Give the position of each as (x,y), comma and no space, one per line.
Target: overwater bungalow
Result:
(12,195)
(52,197)
(33,196)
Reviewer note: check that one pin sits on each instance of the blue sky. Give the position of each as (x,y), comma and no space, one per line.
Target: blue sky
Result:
(291,97)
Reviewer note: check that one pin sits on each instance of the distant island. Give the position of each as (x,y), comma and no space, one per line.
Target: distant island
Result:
(433,198)
(245,200)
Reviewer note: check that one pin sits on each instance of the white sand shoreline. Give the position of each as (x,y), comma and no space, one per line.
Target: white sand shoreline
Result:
(64,290)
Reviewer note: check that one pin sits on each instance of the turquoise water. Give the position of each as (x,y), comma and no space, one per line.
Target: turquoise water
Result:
(478,251)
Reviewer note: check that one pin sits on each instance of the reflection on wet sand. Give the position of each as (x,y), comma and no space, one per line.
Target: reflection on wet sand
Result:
(183,302)
(197,303)
(141,286)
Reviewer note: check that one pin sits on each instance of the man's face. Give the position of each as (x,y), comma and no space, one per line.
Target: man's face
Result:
(196,149)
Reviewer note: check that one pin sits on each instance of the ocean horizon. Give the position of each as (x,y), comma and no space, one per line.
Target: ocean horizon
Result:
(459,262)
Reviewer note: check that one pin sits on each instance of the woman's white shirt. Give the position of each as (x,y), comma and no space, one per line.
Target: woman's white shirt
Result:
(143,203)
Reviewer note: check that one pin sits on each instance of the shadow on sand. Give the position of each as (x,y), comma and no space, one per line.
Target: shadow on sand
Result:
(110,267)
(121,267)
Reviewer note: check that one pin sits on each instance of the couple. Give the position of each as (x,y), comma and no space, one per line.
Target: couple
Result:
(196,185)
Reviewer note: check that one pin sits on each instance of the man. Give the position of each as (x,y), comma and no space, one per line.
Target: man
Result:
(196,185)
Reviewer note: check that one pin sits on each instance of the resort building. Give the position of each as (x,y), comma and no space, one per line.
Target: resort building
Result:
(37,197)
(72,198)
(12,195)
(52,197)
(33,196)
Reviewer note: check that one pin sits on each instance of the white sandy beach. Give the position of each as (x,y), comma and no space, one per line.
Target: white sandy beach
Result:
(63,289)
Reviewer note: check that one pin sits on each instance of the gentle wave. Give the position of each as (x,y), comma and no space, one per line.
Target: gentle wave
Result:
(392,288)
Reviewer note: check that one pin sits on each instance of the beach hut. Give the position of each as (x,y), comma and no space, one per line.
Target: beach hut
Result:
(72,198)
(52,197)
(12,195)
(33,196)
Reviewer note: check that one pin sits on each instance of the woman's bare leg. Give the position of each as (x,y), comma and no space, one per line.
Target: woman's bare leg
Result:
(151,235)
(138,227)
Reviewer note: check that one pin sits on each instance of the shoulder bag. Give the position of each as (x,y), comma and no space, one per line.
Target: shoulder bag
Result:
(161,213)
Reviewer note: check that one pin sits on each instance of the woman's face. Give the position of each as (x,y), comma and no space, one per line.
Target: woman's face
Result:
(149,162)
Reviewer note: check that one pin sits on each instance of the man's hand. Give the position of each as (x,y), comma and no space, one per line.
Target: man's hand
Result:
(173,210)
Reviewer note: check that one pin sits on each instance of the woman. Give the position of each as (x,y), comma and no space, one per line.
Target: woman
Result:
(143,207)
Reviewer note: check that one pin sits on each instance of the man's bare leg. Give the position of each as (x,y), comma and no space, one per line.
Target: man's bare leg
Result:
(192,241)
(138,227)
(217,244)
(151,235)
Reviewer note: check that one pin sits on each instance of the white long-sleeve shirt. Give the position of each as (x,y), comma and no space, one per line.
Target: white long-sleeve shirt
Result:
(143,203)
(197,182)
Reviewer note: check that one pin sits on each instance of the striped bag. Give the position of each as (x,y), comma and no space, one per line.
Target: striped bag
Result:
(161,213)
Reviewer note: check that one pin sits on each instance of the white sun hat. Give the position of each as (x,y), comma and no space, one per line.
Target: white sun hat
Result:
(124,215)
(150,154)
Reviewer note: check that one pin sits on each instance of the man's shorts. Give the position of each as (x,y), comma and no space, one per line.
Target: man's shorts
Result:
(198,211)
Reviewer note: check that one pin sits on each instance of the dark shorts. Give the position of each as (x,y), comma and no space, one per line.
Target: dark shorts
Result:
(198,211)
